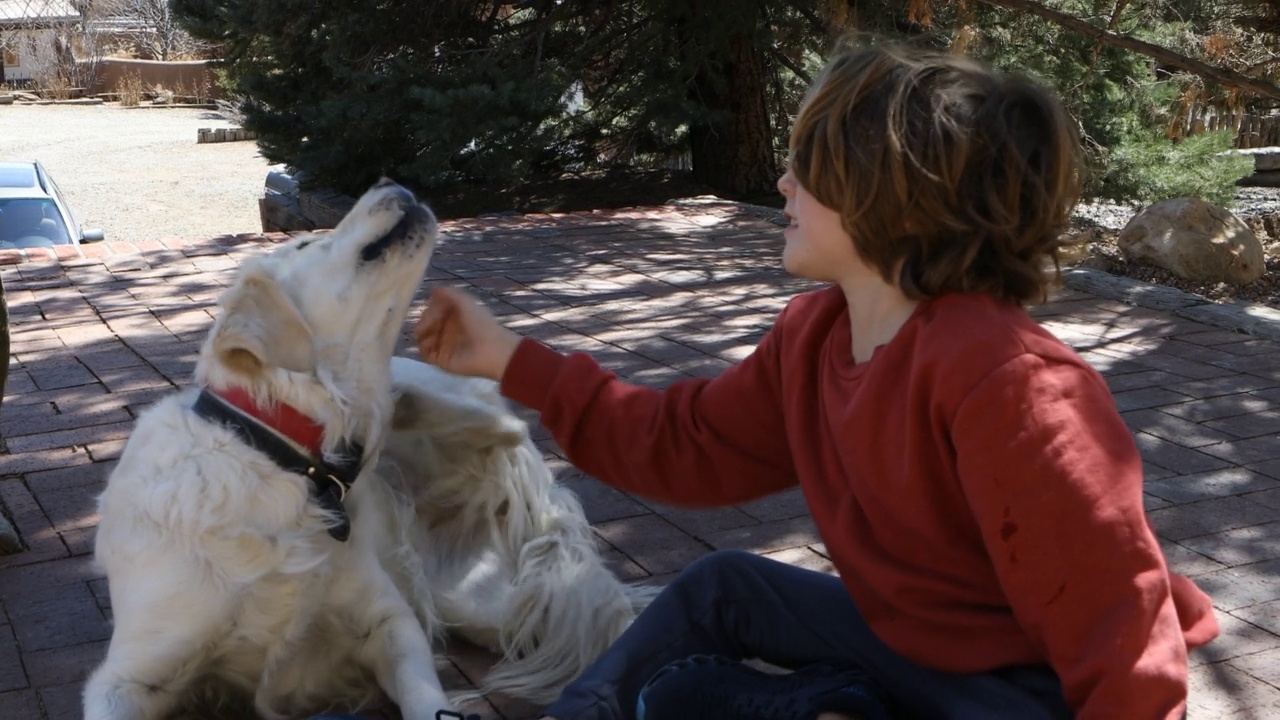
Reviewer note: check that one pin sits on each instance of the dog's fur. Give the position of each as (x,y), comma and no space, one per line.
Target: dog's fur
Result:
(219,563)
(222,574)
(512,561)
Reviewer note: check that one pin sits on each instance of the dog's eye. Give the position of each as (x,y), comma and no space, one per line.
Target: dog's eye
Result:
(302,245)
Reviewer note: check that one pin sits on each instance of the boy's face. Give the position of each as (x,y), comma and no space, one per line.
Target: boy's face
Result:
(817,246)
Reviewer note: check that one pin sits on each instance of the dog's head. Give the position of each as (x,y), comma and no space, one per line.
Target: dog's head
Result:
(314,324)
(464,414)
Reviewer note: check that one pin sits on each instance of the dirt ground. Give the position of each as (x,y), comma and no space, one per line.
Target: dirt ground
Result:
(137,173)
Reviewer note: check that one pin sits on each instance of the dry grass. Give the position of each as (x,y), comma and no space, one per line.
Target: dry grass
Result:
(196,91)
(131,90)
(56,87)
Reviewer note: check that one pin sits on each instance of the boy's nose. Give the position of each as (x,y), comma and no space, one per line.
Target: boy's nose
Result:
(786,182)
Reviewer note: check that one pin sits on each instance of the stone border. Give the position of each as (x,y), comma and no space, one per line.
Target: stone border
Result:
(219,135)
(124,251)
(1255,319)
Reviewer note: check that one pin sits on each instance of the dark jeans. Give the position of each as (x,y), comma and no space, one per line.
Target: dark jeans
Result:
(745,606)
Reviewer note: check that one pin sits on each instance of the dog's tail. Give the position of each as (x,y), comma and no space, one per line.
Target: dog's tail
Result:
(566,607)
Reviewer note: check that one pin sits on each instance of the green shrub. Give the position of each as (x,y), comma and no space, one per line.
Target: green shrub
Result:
(1145,167)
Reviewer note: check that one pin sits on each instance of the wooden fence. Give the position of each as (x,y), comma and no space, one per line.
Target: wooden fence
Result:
(1252,130)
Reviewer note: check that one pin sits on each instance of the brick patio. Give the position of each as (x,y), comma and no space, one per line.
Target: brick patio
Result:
(657,294)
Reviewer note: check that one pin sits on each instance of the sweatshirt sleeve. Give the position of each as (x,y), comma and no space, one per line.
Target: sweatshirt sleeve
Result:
(1054,480)
(696,443)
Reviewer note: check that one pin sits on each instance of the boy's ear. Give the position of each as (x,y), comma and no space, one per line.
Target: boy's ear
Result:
(261,328)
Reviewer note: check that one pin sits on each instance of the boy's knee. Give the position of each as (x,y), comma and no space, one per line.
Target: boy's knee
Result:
(716,566)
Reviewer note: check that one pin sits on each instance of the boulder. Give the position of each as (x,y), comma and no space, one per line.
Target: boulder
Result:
(1194,240)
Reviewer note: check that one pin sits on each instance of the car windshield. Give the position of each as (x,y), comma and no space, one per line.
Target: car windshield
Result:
(33,222)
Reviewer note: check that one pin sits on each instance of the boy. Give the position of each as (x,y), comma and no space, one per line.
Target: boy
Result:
(969,474)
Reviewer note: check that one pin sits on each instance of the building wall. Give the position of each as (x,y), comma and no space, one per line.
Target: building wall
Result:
(19,54)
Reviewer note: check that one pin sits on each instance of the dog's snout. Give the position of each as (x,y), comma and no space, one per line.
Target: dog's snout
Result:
(403,196)
(415,219)
(394,194)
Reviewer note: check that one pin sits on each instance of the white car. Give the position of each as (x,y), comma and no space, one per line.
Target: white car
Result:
(33,212)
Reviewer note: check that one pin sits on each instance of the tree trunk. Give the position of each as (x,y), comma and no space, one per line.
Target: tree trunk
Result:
(732,151)
(1223,76)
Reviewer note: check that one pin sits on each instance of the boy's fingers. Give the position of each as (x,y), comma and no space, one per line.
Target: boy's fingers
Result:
(445,297)
(456,302)
(426,321)
(434,317)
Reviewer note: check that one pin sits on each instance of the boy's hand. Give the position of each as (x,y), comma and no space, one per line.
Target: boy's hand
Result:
(459,335)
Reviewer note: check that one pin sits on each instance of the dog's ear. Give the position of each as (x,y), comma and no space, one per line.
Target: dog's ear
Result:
(262,328)
(454,420)
(408,410)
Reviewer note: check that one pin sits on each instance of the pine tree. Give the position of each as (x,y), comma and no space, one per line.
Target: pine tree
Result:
(1125,101)
(430,93)
(472,91)
(466,90)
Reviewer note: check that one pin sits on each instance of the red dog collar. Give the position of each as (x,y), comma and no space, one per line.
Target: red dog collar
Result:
(284,419)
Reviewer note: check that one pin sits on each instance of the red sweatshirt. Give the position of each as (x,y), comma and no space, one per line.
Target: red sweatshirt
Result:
(973,482)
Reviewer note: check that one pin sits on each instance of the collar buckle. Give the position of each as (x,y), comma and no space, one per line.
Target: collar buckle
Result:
(342,486)
(329,483)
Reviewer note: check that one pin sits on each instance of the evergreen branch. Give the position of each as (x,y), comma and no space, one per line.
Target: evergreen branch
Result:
(1223,76)
(816,24)
(789,64)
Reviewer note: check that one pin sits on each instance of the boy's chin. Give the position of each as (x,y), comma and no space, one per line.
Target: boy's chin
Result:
(791,265)
(797,267)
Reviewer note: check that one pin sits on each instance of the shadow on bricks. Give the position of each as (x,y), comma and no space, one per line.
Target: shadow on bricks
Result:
(657,294)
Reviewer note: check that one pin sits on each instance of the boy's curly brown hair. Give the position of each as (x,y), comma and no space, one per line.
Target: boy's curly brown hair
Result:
(949,175)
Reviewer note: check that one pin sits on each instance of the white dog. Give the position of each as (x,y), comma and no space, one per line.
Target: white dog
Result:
(511,560)
(226,546)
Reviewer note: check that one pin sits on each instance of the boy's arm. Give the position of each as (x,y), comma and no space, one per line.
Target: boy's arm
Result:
(1054,481)
(696,443)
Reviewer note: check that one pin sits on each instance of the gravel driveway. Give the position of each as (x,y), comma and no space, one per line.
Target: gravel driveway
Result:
(137,173)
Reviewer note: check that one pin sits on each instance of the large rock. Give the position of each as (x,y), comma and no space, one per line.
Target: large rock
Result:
(1195,241)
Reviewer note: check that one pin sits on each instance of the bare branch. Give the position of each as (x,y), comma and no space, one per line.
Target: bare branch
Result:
(151,26)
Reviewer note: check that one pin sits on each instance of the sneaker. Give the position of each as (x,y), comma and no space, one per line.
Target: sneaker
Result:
(709,687)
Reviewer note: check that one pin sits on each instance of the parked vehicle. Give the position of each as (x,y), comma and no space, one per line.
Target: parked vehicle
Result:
(33,212)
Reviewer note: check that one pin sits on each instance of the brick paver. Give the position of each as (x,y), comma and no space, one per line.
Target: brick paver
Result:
(658,294)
